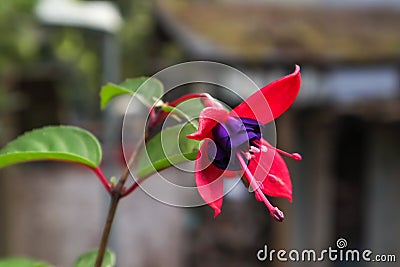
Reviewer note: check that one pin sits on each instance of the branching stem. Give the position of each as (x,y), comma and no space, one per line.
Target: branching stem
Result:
(117,192)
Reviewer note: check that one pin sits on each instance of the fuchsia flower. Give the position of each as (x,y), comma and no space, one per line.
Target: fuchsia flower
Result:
(233,144)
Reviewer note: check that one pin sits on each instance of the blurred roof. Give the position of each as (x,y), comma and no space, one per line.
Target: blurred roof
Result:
(95,15)
(268,33)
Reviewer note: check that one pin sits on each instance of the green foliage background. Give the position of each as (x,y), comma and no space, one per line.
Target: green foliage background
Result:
(24,43)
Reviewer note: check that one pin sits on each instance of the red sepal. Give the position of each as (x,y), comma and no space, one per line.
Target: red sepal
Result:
(209,117)
(209,180)
(272,100)
(278,184)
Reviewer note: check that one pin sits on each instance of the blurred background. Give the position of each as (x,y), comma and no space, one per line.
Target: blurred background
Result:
(56,54)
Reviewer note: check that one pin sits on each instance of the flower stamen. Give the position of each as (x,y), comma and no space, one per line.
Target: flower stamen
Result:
(248,155)
(254,149)
(275,213)
(295,156)
(274,179)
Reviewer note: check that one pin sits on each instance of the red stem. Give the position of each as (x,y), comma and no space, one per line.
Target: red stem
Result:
(206,99)
(130,189)
(186,97)
(102,179)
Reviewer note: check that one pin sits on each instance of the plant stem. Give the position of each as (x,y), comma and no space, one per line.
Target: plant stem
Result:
(102,179)
(107,229)
(116,195)
(174,110)
(118,191)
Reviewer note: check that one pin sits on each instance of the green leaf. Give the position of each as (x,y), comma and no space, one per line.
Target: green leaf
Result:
(21,262)
(168,147)
(65,143)
(146,89)
(88,259)
(191,107)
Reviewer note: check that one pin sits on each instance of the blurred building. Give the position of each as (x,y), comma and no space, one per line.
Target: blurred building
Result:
(345,121)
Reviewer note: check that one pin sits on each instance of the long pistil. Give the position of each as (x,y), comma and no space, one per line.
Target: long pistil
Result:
(275,213)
